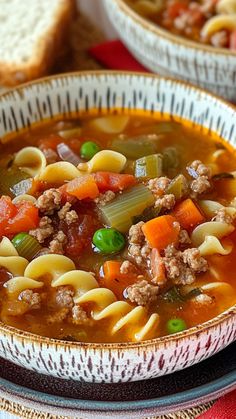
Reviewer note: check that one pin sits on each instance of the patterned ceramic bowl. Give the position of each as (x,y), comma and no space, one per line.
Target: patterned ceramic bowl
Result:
(170,55)
(95,93)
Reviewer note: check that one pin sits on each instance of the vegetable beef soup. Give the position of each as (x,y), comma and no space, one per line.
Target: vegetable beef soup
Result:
(115,229)
(207,21)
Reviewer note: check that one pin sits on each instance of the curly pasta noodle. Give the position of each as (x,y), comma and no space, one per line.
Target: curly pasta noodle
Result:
(217,23)
(211,207)
(211,228)
(10,260)
(212,245)
(31,160)
(59,172)
(61,271)
(105,160)
(226,7)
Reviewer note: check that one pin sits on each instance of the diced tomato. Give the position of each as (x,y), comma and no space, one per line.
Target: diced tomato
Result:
(83,187)
(74,144)
(196,17)
(232,42)
(175,9)
(51,142)
(79,234)
(65,196)
(7,211)
(157,267)
(113,181)
(26,218)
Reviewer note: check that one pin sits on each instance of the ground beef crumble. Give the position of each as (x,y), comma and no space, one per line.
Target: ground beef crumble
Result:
(203,299)
(64,297)
(79,316)
(142,293)
(220,39)
(57,244)
(33,299)
(184,237)
(49,201)
(44,230)
(202,175)
(159,185)
(166,202)
(127,268)
(223,216)
(181,267)
(194,260)
(68,215)
(102,199)
(139,250)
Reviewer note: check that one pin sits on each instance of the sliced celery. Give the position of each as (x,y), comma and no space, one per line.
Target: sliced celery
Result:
(120,212)
(178,187)
(135,147)
(9,178)
(149,166)
(26,245)
(170,158)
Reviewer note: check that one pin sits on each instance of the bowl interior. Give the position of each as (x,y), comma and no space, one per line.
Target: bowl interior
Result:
(164,33)
(95,93)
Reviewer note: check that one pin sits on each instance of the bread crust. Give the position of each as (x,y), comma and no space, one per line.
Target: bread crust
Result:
(45,52)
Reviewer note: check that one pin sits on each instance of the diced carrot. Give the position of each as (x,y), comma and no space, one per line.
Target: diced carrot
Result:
(175,9)
(116,281)
(111,269)
(83,187)
(188,214)
(27,218)
(161,231)
(113,181)
(232,42)
(157,268)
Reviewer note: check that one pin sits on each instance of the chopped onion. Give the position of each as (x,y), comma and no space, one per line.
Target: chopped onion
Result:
(22,187)
(66,154)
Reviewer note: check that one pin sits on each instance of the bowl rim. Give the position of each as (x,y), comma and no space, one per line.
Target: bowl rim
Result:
(159,341)
(164,33)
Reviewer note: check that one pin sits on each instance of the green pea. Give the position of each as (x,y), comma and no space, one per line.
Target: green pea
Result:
(108,240)
(89,149)
(176,325)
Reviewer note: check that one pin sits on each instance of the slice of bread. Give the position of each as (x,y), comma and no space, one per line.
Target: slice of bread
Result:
(31,36)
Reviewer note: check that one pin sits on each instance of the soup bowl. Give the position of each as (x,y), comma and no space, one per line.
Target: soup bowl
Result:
(170,55)
(97,93)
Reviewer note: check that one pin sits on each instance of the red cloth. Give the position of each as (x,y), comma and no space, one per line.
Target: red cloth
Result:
(115,56)
(224,408)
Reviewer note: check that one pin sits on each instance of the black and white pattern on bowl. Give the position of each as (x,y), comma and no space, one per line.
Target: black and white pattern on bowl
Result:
(159,396)
(168,55)
(95,93)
